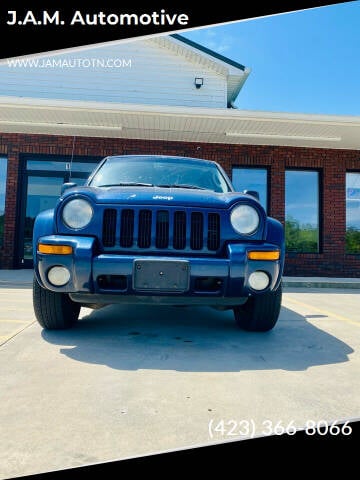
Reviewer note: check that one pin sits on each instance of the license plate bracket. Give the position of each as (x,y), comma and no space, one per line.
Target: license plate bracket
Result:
(161,275)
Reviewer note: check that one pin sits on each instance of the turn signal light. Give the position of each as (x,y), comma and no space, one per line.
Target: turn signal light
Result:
(272,255)
(55,249)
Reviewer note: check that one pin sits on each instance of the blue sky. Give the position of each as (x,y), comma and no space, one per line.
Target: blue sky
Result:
(306,62)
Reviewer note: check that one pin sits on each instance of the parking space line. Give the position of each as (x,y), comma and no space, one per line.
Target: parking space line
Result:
(323,312)
(13,309)
(5,338)
(21,288)
(7,320)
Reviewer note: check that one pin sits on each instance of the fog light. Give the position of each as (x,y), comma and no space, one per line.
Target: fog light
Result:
(58,276)
(259,280)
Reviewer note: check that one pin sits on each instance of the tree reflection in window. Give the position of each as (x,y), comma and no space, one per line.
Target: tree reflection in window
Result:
(352,212)
(302,211)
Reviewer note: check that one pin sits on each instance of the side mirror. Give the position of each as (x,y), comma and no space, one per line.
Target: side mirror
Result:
(253,193)
(67,185)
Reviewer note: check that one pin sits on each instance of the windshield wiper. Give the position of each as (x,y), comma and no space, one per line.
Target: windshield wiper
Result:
(182,185)
(127,184)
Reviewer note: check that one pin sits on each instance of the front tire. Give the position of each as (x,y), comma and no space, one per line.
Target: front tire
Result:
(54,310)
(260,313)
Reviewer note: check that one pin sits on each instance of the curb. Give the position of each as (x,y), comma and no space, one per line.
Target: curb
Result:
(328,283)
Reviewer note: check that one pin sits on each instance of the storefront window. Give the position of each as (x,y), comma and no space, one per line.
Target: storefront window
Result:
(251,179)
(302,211)
(3,172)
(353,212)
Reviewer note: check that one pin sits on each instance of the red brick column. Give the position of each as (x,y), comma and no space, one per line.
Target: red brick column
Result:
(333,214)
(11,207)
(276,188)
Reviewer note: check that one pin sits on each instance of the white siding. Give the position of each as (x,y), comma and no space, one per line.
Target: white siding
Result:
(157,76)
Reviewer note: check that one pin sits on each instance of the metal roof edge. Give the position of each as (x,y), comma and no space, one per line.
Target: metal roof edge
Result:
(31,102)
(208,51)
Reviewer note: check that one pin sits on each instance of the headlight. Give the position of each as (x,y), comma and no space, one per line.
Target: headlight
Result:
(244,219)
(77,213)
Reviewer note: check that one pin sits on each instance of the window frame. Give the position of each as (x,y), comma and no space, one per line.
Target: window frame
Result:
(356,254)
(319,171)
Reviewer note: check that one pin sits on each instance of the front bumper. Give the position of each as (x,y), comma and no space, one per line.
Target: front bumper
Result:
(210,281)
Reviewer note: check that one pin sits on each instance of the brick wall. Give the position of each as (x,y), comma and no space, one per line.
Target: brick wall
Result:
(332,164)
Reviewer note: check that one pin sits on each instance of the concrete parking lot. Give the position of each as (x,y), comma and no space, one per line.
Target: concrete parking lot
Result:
(130,381)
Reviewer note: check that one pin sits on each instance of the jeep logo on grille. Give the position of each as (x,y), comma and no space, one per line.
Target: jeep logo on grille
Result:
(162,197)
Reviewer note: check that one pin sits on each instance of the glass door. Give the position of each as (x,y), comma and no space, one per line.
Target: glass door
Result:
(41,194)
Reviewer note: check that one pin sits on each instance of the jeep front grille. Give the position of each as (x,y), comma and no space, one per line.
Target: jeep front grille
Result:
(160,229)
(144,228)
(127,228)
(196,231)
(213,237)
(179,240)
(109,227)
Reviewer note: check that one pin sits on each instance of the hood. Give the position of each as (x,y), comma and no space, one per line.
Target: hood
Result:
(159,196)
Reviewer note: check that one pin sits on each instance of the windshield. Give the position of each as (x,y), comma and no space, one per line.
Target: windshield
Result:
(160,172)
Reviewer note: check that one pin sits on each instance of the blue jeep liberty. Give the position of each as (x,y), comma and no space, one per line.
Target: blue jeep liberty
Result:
(149,229)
